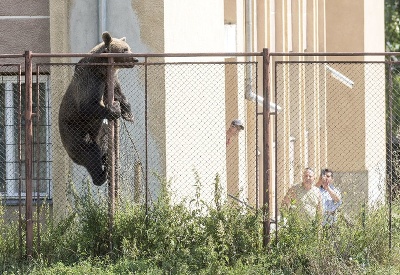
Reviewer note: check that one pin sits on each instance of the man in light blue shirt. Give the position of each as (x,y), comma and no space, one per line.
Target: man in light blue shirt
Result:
(331,197)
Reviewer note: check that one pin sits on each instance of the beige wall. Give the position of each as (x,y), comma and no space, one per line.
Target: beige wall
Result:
(345,25)
(159,26)
(30,20)
(194,26)
(362,134)
(309,96)
(75,28)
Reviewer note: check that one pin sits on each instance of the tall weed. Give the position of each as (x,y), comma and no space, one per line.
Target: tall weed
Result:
(222,237)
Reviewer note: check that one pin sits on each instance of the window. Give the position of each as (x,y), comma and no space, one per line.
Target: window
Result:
(12,139)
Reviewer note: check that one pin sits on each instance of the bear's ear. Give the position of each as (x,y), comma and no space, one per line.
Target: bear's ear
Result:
(106,38)
(123,39)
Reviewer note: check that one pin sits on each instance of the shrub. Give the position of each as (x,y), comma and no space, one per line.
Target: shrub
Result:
(222,238)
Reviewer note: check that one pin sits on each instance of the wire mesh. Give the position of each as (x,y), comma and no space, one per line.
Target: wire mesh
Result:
(181,112)
(338,115)
(334,115)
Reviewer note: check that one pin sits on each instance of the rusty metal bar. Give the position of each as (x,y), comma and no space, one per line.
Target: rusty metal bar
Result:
(257,146)
(146,137)
(216,54)
(152,63)
(276,154)
(28,152)
(266,139)
(333,54)
(145,54)
(37,115)
(117,156)
(219,54)
(12,56)
(110,155)
(391,153)
(20,161)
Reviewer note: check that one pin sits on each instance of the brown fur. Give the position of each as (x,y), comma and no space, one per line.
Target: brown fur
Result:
(82,109)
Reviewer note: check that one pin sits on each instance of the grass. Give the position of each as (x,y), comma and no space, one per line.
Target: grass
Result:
(172,239)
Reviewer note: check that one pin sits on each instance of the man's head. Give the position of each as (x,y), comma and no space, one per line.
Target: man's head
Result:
(235,127)
(238,124)
(308,178)
(327,175)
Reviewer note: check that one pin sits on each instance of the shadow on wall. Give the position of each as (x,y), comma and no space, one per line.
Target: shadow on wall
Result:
(354,187)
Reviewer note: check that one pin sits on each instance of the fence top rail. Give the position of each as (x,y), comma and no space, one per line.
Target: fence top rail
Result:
(11,55)
(144,54)
(334,54)
(209,54)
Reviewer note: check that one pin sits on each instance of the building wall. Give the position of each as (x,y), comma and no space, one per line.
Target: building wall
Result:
(327,26)
(195,26)
(24,25)
(352,23)
(76,28)
(198,26)
(157,27)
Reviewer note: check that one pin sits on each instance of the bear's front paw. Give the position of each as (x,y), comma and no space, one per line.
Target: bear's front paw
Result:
(115,110)
(127,116)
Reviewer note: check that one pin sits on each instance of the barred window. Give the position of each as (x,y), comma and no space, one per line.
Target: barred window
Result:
(12,138)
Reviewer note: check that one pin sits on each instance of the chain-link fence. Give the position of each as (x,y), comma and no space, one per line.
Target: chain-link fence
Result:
(339,119)
(342,115)
(178,137)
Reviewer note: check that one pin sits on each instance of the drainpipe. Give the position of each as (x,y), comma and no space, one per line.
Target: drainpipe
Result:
(102,12)
(249,95)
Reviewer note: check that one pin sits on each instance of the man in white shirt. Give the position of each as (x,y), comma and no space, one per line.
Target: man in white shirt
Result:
(305,197)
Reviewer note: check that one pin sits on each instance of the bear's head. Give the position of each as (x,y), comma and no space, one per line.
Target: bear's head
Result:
(115,45)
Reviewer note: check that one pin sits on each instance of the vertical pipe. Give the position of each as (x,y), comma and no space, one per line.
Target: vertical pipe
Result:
(102,12)
(110,154)
(248,46)
(266,154)
(248,27)
(28,152)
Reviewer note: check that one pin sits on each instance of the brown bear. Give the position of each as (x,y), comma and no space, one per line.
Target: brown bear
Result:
(82,108)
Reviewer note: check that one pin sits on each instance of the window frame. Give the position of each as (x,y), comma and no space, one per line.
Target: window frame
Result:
(14,152)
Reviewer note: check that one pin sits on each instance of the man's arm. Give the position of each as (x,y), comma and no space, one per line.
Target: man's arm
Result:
(287,200)
(335,195)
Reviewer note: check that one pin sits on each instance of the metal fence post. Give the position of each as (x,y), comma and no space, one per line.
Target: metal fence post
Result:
(146,134)
(28,152)
(390,184)
(110,154)
(266,164)
(38,152)
(20,222)
(116,160)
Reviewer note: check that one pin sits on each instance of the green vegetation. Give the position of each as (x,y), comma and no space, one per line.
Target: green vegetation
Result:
(202,239)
